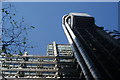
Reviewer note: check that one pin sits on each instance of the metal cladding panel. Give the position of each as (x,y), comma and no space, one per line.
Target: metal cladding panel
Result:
(83,22)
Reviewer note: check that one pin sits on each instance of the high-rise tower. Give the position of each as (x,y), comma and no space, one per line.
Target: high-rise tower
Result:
(97,53)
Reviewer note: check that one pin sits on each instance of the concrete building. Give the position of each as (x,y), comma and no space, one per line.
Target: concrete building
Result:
(96,51)
(59,63)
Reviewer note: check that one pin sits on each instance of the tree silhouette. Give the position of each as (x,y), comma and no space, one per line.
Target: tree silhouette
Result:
(14,31)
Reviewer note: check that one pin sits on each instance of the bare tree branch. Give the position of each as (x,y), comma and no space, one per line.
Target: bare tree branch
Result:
(14,32)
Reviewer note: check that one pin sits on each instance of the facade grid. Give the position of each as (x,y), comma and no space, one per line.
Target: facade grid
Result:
(58,63)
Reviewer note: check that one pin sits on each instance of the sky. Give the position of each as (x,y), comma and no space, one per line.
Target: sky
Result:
(47,19)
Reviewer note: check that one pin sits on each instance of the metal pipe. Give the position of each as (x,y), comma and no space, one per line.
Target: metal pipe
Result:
(55,48)
(83,53)
(79,59)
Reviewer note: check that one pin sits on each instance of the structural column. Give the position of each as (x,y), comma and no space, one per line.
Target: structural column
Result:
(55,50)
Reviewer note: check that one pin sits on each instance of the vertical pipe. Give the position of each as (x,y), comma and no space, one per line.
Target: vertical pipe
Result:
(79,59)
(55,49)
(83,53)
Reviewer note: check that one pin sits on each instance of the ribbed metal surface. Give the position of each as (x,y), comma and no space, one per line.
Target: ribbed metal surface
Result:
(100,50)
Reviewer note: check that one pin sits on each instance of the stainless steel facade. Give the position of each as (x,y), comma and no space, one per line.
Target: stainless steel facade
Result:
(95,50)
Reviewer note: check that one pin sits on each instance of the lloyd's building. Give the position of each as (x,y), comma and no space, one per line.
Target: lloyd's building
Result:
(58,64)
(92,54)
(97,51)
